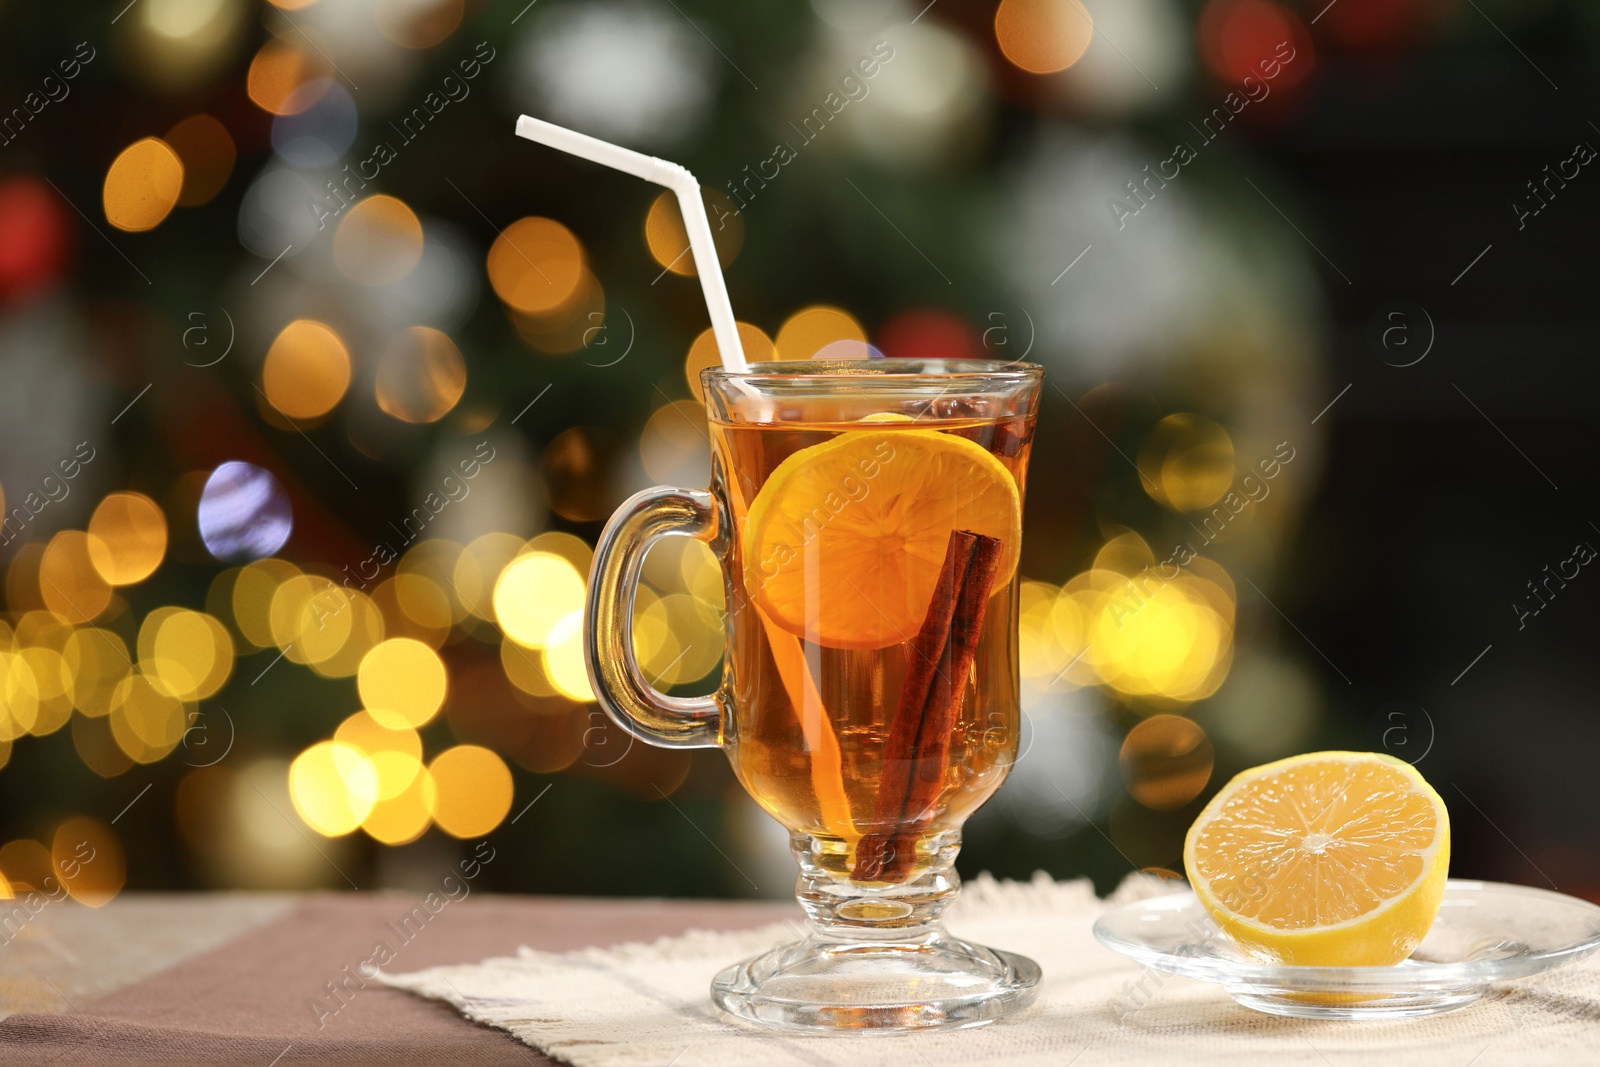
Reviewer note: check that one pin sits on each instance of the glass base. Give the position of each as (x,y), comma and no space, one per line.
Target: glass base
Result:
(885,986)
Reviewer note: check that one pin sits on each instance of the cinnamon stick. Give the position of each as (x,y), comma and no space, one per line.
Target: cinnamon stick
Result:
(916,753)
(1003,438)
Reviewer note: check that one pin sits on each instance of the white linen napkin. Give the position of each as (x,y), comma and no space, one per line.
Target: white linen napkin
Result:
(648,1005)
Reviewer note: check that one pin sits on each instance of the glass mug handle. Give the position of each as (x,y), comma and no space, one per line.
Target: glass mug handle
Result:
(614,673)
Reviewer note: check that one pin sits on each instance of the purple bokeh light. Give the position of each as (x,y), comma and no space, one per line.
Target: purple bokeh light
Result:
(244,513)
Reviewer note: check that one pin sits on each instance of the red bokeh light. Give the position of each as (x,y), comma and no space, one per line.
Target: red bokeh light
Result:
(1238,36)
(1379,24)
(35,239)
(929,334)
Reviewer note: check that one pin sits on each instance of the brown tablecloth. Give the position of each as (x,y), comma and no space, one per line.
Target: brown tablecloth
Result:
(291,989)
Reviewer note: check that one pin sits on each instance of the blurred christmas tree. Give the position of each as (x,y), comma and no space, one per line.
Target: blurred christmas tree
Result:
(347,379)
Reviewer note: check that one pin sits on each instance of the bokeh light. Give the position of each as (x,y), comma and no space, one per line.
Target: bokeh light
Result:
(87,857)
(535,265)
(575,550)
(702,573)
(668,241)
(185,654)
(563,660)
(417,24)
(477,568)
(250,599)
(68,581)
(1043,36)
(811,329)
(52,681)
(474,790)
(307,370)
(243,513)
(928,333)
(421,375)
(333,787)
(1157,631)
(402,683)
(206,150)
(1166,761)
(1166,643)
(675,445)
(575,467)
(1186,462)
(363,731)
(366,632)
(1237,37)
(533,594)
(704,353)
(178,19)
(146,721)
(127,538)
(38,237)
(525,670)
(577,322)
(19,696)
(688,639)
(414,606)
(28,865)
(403,817)
(405,797)
(318,135)
(22,578)
(142,185)
(283,78)
(378,241)
(310,618)
(101,662)
(435,559)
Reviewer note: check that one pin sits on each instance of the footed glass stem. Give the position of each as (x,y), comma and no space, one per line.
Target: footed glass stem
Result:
(876,956)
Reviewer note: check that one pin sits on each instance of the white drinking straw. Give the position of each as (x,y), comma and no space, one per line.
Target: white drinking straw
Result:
(681,182)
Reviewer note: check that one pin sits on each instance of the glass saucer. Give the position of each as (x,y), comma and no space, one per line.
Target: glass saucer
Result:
(1486,932)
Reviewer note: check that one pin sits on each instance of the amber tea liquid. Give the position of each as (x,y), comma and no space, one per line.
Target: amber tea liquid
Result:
(862,510)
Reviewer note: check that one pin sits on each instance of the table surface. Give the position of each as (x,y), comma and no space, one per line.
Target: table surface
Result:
(244,977)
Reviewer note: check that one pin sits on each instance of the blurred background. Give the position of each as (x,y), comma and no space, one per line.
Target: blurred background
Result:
(316,386)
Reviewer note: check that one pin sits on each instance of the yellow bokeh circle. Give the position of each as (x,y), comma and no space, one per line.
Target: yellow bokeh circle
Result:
(668,241)
(1043,36)
(127,538)
(1187,462)
(809,330)
(333,787)
(68,581)
(307,370)
(142,185)
(402,683)
(563,659)
(704,353)
(402,817)
(474,790)
(535,593)
(535,265)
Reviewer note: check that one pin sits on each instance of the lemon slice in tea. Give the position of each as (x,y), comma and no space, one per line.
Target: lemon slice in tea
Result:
(844,542)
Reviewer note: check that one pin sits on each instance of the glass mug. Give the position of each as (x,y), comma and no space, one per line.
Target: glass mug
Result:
(867,517)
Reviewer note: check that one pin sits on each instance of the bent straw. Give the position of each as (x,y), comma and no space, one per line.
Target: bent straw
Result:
(682,183)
